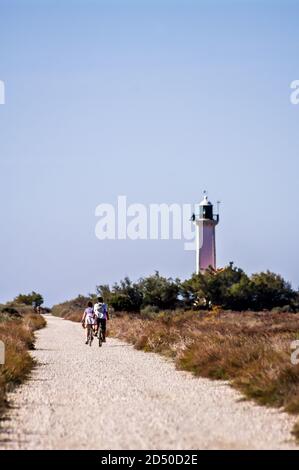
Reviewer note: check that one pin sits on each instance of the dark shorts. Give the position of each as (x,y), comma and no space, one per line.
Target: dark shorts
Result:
(102,322)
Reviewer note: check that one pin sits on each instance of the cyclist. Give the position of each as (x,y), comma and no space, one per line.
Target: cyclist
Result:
(102,315)
(88,319)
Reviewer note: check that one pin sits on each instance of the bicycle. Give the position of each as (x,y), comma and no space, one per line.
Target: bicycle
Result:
(89,334)
(100,335)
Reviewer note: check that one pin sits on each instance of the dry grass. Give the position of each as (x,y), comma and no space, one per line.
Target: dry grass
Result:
(17,333)
(250,350)
(71,309)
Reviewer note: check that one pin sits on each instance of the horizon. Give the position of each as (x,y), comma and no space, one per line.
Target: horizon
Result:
(157,102)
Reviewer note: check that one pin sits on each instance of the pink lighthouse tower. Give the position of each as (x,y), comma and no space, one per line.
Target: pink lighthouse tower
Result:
(205,223)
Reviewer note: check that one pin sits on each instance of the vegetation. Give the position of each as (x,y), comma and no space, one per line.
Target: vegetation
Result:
(222,324)
(72,309)
(251,350)
(17,325)
(153,290)
(33,299)
(126,295)
(229,288)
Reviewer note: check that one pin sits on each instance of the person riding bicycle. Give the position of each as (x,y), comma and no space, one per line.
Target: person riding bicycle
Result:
(102,315)
(88,319)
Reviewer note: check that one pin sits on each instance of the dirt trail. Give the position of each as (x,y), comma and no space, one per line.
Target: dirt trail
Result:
(82,397)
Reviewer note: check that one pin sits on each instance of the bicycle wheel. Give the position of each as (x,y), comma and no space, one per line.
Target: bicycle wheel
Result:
(90,335)
(100,336)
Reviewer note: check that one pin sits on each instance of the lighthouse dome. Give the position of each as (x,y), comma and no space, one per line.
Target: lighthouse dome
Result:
(205,202)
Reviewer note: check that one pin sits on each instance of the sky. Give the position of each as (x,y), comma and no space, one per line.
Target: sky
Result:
(157,101)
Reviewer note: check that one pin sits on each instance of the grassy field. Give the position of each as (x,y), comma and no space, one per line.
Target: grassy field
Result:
(17,326)
(251,350)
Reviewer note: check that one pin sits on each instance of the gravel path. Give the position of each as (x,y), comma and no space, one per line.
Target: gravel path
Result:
(83,397)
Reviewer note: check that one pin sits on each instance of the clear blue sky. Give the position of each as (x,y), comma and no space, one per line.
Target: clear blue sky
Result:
(156,100)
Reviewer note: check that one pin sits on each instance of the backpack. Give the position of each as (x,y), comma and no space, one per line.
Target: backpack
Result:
(102,311)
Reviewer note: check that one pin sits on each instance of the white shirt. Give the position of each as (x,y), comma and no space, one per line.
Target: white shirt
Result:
(100,311)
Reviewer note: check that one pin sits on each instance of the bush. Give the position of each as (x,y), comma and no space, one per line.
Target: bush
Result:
(125,296)
(270,290)
(159,291)
(155,290)
(10,311)
(69,307)
(149,311)
(18,338)
(33,299)
(284,309)
(230,288)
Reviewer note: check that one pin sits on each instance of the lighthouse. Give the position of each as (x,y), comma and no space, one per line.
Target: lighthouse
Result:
(205,223)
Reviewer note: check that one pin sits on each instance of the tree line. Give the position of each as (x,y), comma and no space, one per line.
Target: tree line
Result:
(228,288)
